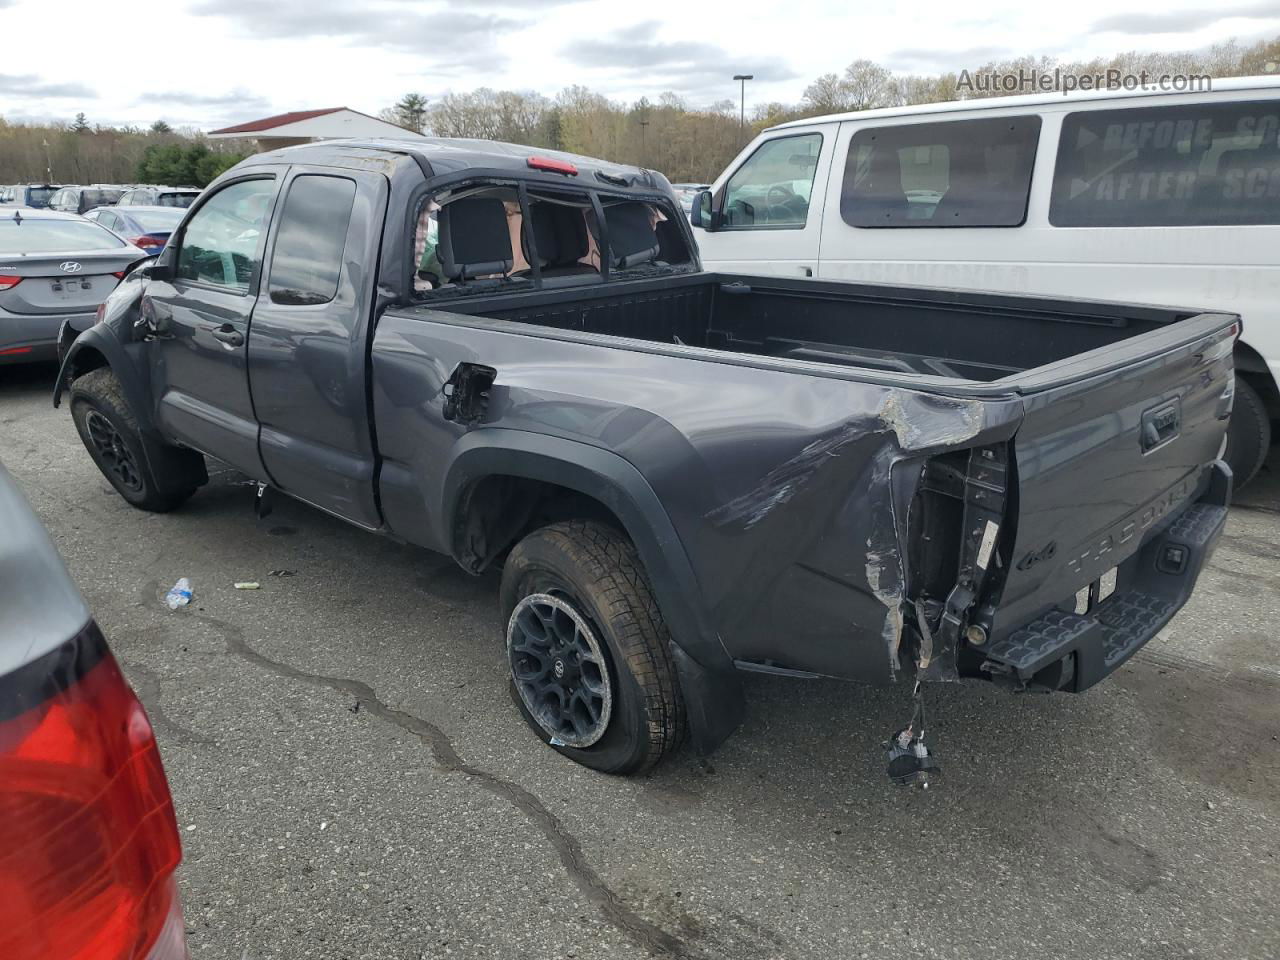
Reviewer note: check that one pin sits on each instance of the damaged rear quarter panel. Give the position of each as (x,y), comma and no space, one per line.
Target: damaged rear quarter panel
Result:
(788,490)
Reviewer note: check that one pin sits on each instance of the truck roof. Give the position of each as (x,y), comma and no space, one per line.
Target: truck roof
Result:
(444,155)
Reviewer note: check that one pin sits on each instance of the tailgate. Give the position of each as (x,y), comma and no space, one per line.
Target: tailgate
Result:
(1104,459)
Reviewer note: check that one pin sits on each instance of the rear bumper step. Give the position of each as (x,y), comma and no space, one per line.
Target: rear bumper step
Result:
(1151,587)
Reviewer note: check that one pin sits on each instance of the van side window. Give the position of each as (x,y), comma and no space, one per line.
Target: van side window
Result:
(771,190)
(307,259)
(958,173)
(1190,165)
(222,244)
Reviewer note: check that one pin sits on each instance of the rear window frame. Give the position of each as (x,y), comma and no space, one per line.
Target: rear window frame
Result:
(523,185)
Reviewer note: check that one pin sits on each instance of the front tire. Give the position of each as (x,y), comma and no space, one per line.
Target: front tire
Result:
(110,433)
(1248,434)
(588,650)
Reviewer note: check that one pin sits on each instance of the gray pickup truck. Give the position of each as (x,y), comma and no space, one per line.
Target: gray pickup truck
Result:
(516,359)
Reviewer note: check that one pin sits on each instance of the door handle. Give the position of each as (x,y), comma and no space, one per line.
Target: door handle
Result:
(229,335)
(806,271)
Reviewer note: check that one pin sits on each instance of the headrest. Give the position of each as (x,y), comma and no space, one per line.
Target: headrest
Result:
(632,239)
(474,238)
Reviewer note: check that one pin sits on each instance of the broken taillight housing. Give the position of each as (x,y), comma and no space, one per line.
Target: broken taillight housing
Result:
(88,839)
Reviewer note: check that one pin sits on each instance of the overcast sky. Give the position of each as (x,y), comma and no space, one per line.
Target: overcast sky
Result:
(209,63)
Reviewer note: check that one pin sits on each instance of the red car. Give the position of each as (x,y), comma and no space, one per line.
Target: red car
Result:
(88,840)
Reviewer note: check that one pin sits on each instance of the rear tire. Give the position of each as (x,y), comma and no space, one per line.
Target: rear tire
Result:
(1248,434)
(583,580)
(110,433)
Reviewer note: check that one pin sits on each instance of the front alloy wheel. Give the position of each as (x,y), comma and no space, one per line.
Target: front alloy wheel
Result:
(116,457)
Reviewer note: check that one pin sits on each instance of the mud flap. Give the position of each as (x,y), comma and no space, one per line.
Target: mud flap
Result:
(713,701)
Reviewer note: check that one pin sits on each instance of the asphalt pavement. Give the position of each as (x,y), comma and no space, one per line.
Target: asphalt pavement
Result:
(352,779)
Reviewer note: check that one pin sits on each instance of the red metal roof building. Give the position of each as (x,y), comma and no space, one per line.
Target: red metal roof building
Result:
(304,126)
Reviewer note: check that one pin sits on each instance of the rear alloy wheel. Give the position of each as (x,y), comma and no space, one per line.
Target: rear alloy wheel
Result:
(559,670)
(590,656)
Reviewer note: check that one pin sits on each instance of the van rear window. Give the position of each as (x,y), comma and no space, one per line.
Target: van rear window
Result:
(1190,165)
(956,173)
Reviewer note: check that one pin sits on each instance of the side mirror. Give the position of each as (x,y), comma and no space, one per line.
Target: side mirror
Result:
(157,271)
(701,214)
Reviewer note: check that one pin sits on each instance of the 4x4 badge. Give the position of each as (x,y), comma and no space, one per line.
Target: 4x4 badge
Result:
(1036,556)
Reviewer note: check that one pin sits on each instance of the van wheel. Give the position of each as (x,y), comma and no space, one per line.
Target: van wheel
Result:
(588,650)
(110,433)
(1248,434)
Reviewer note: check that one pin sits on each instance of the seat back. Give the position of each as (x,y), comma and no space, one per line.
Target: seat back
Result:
(632,238)
(474,238)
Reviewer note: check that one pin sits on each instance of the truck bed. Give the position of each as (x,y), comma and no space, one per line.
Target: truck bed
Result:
(947,334)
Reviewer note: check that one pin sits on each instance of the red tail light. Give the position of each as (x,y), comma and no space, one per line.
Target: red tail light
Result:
(145,241)
(88,839)
(118,274)
(552,166)
(7,281)
(14,351)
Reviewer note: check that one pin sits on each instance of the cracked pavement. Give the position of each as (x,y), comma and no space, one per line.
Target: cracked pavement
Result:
(352,779)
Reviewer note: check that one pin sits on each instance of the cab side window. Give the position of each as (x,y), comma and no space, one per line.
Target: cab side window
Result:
(222,243)
(773,187)
(306,263)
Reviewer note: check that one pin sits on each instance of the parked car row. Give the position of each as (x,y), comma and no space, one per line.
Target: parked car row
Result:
(74,198)
(64,248)
(55,266)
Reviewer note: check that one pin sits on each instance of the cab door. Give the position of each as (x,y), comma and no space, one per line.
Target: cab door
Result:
(199,307)
(307,359)
(768,211)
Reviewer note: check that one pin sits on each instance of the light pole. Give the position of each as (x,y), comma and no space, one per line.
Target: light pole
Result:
(643,124)
(48,164)
(742,108)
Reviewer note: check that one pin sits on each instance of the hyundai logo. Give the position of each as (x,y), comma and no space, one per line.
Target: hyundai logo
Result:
(70,266)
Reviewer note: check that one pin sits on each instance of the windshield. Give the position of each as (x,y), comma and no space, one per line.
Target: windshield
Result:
(182,200)
(158,221)
(30,235)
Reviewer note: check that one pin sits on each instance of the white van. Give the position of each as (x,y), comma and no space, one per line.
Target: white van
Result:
(1164,198)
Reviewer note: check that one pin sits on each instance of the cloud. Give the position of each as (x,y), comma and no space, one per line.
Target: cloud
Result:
(936,61)
(29,85)
(444,39)
(1183,21)
(238,99)
(688,67)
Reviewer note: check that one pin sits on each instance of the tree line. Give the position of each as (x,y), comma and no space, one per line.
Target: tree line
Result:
(80,152)
(693,144)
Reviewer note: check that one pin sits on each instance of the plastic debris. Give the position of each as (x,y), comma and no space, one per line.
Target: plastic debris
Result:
(248,585)
(556,742)
(179,594)
(282,573)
